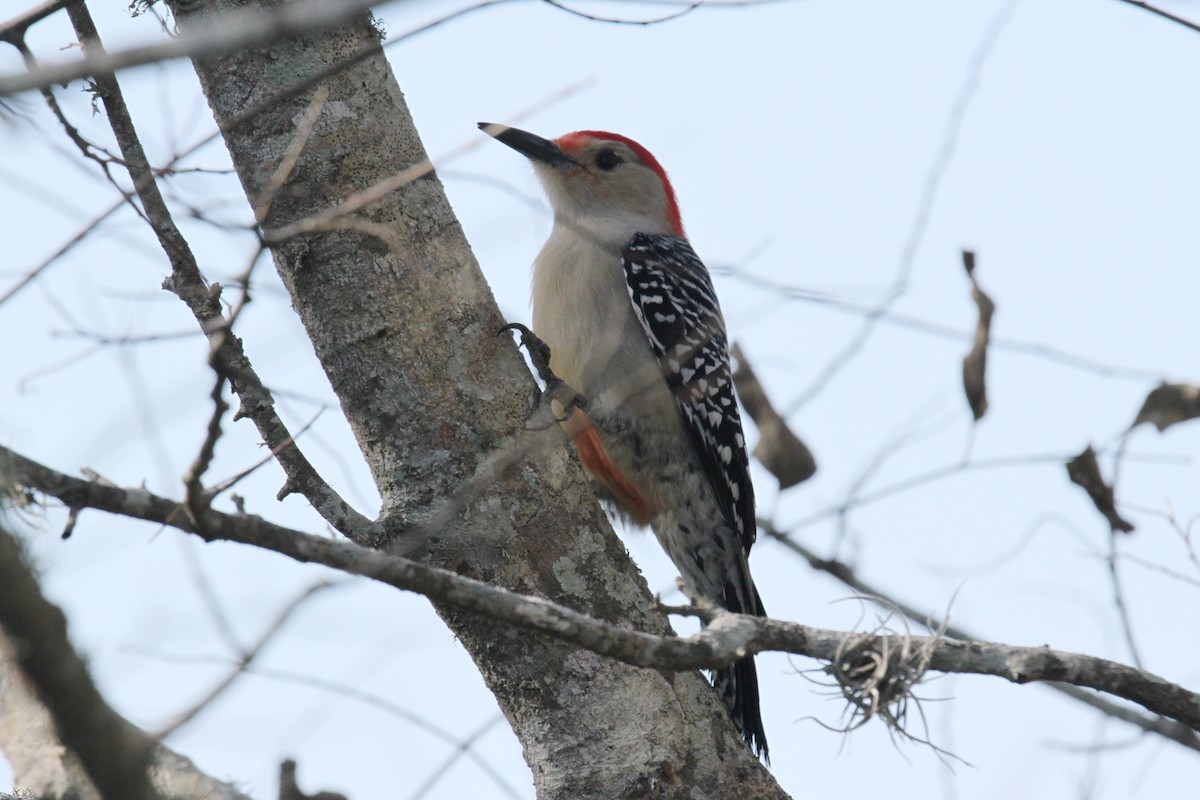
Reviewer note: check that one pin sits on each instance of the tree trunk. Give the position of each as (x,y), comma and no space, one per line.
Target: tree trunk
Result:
(405,327)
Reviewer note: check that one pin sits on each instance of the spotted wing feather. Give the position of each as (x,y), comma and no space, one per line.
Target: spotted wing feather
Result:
(673,298)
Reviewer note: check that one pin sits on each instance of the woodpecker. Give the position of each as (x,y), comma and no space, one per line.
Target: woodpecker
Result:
(633,324)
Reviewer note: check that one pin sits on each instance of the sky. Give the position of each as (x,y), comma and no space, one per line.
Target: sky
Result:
(820,151)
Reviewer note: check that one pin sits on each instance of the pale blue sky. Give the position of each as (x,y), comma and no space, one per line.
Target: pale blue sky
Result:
(800,133)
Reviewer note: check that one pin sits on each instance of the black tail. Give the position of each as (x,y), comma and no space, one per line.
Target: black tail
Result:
(739,687)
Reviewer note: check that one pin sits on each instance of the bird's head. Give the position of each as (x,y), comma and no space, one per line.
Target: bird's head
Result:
(600,181)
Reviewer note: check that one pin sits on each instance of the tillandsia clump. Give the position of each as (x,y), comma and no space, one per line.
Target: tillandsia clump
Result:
(876,672)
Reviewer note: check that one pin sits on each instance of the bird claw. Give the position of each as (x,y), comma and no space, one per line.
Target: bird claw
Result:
(556,388)
(539,351)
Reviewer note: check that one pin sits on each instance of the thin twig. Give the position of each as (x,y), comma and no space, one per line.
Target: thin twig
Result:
(889,449)
(35,273)
(1164,14)
(1185,534)
(247,658)
(287,164)
(489,470)
(687,9)
(929,476)
(464,748)
(1119,598)
(941,331)
(373,701)
(187,282)
(223,486)
(195,497)
(925,204)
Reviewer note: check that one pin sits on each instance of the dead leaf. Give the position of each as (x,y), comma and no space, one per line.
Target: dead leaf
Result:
(1084,470)
(778,449)
(975,362)
(1169,404)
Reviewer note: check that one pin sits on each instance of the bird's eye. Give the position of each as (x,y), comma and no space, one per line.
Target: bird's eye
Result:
(607,160)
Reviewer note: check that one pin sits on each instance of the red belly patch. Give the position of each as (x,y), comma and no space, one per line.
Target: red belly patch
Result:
(591,452)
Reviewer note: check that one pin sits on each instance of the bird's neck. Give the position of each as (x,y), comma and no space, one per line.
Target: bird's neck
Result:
(610,231)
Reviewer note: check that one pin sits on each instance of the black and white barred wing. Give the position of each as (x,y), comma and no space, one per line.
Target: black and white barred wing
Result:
(673,297)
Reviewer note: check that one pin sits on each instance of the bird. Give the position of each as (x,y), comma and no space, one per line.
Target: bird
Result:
(633,325)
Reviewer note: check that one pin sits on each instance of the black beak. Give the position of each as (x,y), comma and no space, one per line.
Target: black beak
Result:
(528,145)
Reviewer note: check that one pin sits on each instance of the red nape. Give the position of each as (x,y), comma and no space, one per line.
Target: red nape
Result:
(571,142)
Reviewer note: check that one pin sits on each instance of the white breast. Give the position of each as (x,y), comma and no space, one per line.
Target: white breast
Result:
(581,308)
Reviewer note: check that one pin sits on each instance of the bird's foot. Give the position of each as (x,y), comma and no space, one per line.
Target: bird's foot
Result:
(558,392)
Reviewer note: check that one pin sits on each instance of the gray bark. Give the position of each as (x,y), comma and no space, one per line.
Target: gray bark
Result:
(405,328)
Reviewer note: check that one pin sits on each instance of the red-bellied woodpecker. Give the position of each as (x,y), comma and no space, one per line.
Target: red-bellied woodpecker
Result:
(633,325)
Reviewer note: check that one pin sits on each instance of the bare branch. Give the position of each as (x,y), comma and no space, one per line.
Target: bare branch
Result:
(250,29)
(114,753)
(727,638)
(204,302)
(89,150)
(236,31)
(1162,726)
(1164,14)
(13,30)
